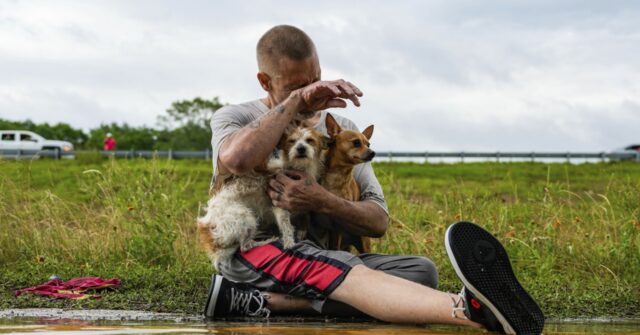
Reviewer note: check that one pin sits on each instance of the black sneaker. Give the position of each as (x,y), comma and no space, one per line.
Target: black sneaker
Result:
(230,299)
(492,292)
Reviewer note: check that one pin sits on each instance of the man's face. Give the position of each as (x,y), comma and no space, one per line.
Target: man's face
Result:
(292,75)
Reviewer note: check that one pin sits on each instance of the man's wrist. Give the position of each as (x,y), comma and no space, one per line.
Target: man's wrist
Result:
(327,202)
(295,102)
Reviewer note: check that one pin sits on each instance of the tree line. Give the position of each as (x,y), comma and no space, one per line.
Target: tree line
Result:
(184,126)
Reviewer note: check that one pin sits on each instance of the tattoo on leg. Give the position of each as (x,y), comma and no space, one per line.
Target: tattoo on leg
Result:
(280,109)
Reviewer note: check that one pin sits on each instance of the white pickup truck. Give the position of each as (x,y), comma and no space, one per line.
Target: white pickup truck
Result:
(17,143)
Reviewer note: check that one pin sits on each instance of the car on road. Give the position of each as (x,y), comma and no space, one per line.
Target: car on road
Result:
(18,143)
(630,152)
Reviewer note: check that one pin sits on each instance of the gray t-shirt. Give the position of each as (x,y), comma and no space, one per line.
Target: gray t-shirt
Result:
(229,119)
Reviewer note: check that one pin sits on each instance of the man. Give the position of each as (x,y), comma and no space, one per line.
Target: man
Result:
(308,277)
(109,143)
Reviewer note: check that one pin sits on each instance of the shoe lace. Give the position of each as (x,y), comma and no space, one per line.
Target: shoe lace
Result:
(241,302)
(459,304)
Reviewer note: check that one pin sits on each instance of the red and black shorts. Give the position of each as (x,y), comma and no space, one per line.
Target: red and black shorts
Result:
(304,270)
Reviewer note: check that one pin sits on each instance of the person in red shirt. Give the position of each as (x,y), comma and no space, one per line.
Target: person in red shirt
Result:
(109,143)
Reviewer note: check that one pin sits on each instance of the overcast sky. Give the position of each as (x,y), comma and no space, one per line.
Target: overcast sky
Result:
(437,75)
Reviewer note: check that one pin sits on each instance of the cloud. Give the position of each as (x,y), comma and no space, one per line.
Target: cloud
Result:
(437,75)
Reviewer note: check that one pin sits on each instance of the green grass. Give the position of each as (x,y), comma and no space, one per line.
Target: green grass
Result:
(572,231)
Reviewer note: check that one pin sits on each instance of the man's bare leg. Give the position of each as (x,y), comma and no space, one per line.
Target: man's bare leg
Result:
(382,296)
(281,303)
(394,299)
(284,303)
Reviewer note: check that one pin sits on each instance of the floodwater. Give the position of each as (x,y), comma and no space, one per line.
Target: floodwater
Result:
(147,323)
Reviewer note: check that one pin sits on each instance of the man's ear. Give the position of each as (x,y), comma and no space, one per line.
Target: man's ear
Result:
(333,128)
(368,132)
(265,81)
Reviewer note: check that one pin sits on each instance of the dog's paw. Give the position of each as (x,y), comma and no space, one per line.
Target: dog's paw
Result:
(288,242)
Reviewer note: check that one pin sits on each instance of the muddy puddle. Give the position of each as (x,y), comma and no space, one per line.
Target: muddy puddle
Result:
(119,322)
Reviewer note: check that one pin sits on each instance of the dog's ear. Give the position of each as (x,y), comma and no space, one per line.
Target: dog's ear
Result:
(368,132)
(333,128)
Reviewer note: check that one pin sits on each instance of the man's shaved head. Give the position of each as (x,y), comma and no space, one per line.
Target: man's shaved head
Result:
(282,41)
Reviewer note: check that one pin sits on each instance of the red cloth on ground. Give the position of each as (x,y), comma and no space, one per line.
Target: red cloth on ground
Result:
(71,289)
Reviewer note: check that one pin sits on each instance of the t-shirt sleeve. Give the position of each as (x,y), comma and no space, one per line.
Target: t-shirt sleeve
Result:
(224,122)
(370,188)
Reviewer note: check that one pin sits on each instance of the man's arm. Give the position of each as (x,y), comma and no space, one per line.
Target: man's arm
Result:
(300,192)
(251,145)
(361,218)
(246,148)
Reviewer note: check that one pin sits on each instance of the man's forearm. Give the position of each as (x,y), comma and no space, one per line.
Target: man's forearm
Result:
(251,145)
(364,218)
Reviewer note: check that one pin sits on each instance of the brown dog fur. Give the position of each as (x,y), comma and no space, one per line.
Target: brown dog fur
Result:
(347,148)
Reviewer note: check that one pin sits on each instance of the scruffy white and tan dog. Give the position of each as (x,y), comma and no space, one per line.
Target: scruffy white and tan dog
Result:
(234,212)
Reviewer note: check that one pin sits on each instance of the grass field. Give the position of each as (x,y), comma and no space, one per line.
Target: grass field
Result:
(573,231)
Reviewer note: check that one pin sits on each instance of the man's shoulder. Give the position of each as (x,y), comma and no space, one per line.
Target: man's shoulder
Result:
(242,112)
(344,122)
(253,106)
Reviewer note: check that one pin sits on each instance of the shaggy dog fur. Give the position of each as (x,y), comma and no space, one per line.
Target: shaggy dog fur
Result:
(236,210)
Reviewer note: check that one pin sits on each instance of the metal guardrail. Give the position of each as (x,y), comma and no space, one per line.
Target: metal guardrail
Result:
(170,154)
(510,155)
(388,155)
(31,154)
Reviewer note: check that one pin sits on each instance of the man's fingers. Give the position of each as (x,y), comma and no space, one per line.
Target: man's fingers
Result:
(334,93)
(349,91)
(273,195)
(330,87)
(355,89)
(276,186)
(346,89)
(336,103)
(295,175)
(283,179)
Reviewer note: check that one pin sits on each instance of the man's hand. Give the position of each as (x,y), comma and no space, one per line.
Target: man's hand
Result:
(296,191)
(327,94)
(299,192)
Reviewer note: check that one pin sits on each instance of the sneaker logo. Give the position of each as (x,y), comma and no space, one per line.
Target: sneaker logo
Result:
(484,252)
(475,303)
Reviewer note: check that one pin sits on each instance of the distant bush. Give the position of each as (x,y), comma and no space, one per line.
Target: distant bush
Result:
(184,127)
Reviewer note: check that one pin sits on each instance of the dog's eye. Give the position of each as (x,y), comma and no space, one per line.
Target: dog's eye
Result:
(310,141)
(290,141)
(357,143)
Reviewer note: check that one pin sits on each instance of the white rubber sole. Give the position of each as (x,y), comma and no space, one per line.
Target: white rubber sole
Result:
(213,296)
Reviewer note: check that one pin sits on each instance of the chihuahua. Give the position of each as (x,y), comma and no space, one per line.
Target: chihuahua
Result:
(347,148)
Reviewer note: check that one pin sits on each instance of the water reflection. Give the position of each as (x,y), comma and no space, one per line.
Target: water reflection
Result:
(40,326)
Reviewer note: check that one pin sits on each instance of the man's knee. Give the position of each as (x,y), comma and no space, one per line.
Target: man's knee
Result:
(425,272)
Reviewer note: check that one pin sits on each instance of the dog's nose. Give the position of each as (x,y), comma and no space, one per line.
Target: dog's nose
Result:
(369,155)
(301,150)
